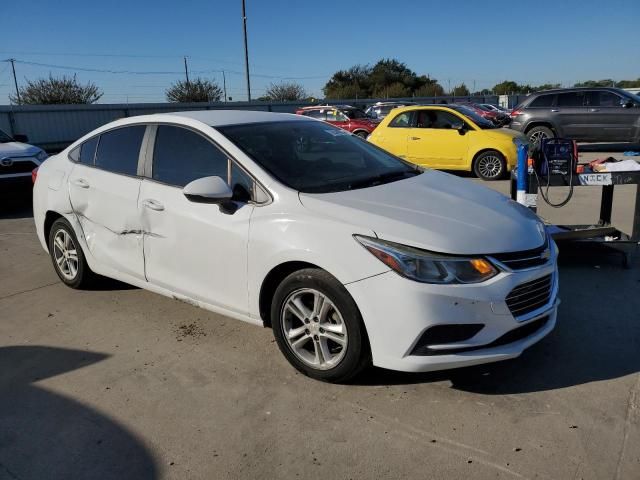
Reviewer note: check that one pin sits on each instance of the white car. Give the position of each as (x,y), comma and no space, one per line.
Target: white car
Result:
(350,254)
(17,161)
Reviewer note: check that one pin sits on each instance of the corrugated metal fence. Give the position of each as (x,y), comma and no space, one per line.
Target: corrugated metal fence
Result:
(54,127)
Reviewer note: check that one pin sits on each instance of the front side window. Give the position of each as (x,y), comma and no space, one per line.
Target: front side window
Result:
(118,150)
(605,99)
(316,158)
(181,156)
(437,119)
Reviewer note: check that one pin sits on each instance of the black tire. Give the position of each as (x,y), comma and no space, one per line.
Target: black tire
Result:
(538,133)
(83,276)
(362,134)
(357,355)
(490,165)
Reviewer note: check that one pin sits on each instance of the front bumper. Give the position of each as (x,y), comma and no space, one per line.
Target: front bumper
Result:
(398,311)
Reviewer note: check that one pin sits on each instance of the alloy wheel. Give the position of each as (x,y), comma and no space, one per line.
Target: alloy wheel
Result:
(537,137)
(314,328)
(490,166)
(65,254)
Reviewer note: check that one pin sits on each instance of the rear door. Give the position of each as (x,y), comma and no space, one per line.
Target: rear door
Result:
(610,120)
(572,115)
(197,250)
(103,187)
(434,142)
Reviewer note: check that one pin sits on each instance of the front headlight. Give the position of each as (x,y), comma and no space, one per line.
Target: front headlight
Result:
(42,156)
(428,267)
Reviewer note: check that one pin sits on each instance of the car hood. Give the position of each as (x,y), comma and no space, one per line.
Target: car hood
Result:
(437,212)
(17,149)
(507,132)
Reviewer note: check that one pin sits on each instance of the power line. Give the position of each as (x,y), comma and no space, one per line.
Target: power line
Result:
(159,72)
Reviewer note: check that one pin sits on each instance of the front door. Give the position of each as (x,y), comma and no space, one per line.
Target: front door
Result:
(103,189)
(610,119)
(435,142)
(572,115)
(197,250)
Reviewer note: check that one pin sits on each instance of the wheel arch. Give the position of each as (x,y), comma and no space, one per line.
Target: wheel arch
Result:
(50,217)
(540,123)
(271,281)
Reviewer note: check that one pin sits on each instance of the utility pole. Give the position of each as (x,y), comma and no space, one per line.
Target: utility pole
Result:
(246,50)
(186,69)
(15,80)
(224,86)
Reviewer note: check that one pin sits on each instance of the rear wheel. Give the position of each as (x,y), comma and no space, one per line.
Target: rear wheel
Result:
(490,165)
(67,256)
(537,134)
(318,326)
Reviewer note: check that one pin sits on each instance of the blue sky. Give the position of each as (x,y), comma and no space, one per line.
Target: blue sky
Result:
(454,41)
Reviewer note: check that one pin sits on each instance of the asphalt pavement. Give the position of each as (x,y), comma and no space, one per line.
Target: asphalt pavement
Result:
(120,383)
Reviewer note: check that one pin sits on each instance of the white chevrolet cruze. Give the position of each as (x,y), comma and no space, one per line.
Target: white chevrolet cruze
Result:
(351,255)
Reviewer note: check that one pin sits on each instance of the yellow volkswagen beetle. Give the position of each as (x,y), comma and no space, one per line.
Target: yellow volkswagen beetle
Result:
(449,137)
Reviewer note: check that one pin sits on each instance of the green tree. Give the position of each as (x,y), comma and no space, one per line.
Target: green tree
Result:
(56,90)
(388,78)
(628,83)
(286,91)
(596,83)
(461,91)
(546,86)
(197,90)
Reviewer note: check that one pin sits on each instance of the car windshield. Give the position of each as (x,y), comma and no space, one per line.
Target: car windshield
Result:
(4,138)
(314,157)
(354,113)
(473,116)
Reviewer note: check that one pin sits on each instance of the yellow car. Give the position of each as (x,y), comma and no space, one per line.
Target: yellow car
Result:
(449,137)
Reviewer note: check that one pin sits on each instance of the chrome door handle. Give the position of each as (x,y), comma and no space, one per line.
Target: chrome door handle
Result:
(80,182)
(594,109)
(153,205)
(414,138)
(555,110)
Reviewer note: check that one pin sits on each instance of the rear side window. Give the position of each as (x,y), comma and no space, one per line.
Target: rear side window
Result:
(118,150)
(181,156)
(542,101)
(402,121)
(571,99)
(319,114)
(88,151)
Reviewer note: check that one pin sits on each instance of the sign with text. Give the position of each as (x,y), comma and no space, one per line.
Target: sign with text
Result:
(595,179)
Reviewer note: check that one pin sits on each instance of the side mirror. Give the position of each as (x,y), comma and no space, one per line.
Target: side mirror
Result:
(208,190)
(19,137)
(460,127)
(626,103)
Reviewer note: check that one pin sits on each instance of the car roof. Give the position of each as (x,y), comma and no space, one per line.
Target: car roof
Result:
(574,89)
(233,117)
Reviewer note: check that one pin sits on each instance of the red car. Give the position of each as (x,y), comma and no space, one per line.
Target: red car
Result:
(497,118)
(348,118)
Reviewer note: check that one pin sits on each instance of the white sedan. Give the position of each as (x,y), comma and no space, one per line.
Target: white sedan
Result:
(351,255)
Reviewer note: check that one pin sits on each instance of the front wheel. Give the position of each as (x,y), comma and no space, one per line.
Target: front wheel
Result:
(537,134)
(318,326)
(490,165)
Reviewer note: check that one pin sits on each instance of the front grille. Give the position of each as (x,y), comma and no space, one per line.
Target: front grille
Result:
(530,296)
(17,167)
(524,259)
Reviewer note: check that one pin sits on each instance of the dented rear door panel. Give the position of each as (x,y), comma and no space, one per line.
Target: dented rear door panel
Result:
(106,206)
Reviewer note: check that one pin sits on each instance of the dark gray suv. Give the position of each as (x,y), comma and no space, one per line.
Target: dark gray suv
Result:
(583,114)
